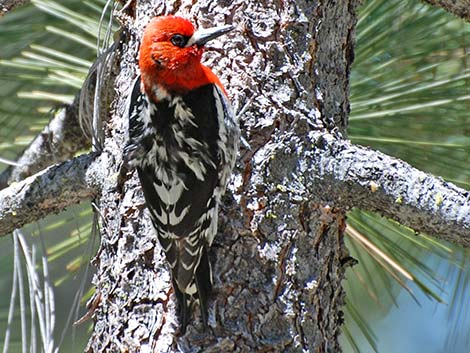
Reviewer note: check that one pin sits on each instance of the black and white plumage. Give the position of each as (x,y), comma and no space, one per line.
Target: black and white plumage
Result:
(184,148)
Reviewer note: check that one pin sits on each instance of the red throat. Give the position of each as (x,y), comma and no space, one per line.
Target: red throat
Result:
(180,80)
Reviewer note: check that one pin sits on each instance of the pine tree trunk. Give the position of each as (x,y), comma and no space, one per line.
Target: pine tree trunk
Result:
(279,257)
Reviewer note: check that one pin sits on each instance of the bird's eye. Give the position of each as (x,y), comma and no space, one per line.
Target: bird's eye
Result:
(179,40)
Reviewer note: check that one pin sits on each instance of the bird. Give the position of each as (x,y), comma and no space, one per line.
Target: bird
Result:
(183,139)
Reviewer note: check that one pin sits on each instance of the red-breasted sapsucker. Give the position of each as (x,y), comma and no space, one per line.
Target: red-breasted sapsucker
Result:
(183,140)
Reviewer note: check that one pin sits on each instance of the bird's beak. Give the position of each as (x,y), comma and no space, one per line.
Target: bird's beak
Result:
(202,36)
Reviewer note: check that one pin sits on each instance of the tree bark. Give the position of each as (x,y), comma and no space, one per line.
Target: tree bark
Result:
(57,142)
(359,177)
(8,5)
(50,191)
(460,8)
(278,261)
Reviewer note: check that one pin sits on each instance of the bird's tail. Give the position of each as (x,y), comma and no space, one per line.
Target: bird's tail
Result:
(191,274)
(199,288)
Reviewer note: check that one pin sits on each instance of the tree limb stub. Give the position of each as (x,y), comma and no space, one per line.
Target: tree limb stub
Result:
(49,191)
(356,176)
(395,189)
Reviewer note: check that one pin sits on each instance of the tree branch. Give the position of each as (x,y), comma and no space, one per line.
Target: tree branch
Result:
(8,5)
(357,176)
(64,136)
(460,8)
(58,141)
(49,191)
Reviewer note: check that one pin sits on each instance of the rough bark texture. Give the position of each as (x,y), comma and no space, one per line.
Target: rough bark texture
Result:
(460,8)
(278,261)
(8,5)
(359,177)
(49,191)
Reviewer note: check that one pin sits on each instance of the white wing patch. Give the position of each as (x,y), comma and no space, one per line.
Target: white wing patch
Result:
(174,219)
(170,194)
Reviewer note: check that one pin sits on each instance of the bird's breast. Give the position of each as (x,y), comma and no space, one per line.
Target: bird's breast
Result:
(180,143)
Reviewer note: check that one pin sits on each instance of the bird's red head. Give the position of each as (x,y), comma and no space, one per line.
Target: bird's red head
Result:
(170,55)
